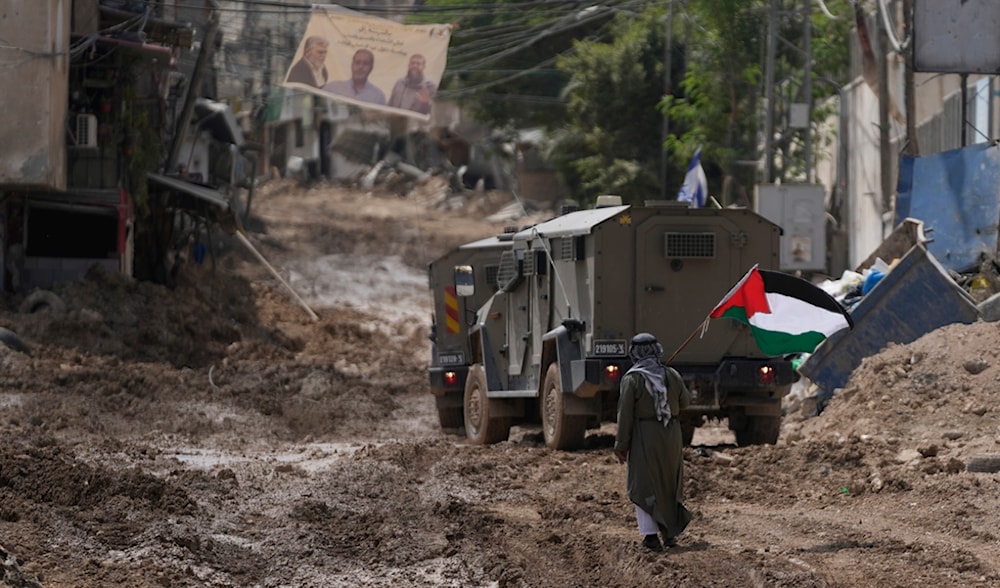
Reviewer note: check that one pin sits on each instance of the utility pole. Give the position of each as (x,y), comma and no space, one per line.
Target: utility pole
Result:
(912,145)
(885,147)
(807,86)
(267,61)
(668,90)
(772,47)
(779,10)
(193,89)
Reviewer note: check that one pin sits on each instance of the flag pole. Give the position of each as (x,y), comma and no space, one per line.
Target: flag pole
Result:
(701,327)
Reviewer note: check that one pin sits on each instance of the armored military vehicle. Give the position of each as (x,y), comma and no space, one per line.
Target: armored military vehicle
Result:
(462,280)
(533,327)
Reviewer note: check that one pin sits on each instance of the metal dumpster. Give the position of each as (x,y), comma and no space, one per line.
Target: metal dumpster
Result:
(915,298)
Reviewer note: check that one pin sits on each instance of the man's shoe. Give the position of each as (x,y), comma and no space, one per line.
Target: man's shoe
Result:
(652,543)
(670,541)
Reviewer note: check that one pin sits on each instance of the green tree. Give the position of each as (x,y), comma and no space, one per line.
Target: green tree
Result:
(717,105)
(721,103)
(598,87)
(501,61)
(610,139)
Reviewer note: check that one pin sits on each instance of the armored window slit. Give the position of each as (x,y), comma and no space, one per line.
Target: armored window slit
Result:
(689,245)
(566,248)
(492,271)
(529,264)
(510,272)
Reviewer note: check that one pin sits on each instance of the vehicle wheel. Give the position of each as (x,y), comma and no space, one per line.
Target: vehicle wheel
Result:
(43,300)
(561,431)
(481,426)
(758,430)
(11,340)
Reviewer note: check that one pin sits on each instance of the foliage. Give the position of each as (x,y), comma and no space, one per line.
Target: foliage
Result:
(604,105)
(717,106)
(610,139)
(722,104)
(501,58)
(144,153)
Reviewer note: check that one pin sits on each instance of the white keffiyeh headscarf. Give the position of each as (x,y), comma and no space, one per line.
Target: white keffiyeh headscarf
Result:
(645,354)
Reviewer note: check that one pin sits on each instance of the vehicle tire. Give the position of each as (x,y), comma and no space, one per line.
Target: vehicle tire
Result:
(482,427)
(43,300)
(988,463)
(758,430)
(561,431)
(12,341)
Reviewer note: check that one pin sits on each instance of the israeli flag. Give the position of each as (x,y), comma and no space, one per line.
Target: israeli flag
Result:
(695,188)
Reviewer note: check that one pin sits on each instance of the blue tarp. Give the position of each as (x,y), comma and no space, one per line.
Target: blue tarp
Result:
(957,195)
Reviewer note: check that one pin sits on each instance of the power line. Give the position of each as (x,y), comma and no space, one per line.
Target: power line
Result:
(534,35)
(477,88)
(488,44)
(306,8)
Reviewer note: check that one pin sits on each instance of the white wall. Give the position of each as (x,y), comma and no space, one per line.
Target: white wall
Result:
(865,223)
(36,37)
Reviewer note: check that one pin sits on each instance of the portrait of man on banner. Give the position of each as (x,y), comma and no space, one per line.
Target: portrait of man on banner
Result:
(371,62)
(357,86)
(311,67)
(414,91)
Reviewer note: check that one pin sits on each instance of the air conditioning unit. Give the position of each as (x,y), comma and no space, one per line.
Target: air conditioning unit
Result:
(86,130)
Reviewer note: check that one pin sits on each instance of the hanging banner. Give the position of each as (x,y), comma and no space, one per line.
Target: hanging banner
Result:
(370,62)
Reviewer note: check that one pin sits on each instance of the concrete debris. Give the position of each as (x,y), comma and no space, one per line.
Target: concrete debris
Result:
(11,572)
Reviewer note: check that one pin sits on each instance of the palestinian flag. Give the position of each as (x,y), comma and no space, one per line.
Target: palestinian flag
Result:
(786,314)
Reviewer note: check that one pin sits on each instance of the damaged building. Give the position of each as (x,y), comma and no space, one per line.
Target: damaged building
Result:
(108,140)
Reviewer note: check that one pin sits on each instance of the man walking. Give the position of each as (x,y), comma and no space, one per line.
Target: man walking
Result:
(649,440)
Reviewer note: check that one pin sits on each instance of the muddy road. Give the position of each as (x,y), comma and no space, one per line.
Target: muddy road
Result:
(215,435)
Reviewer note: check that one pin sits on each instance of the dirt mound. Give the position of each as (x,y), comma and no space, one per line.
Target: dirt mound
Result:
(935,395)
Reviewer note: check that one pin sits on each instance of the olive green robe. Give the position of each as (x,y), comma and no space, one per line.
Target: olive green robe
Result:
(655,453)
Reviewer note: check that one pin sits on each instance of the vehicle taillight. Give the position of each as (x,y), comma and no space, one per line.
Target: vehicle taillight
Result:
(613,372)
(765,374)
(450,378)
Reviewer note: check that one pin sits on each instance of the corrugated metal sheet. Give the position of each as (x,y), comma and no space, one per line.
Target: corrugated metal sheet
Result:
(202,193)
